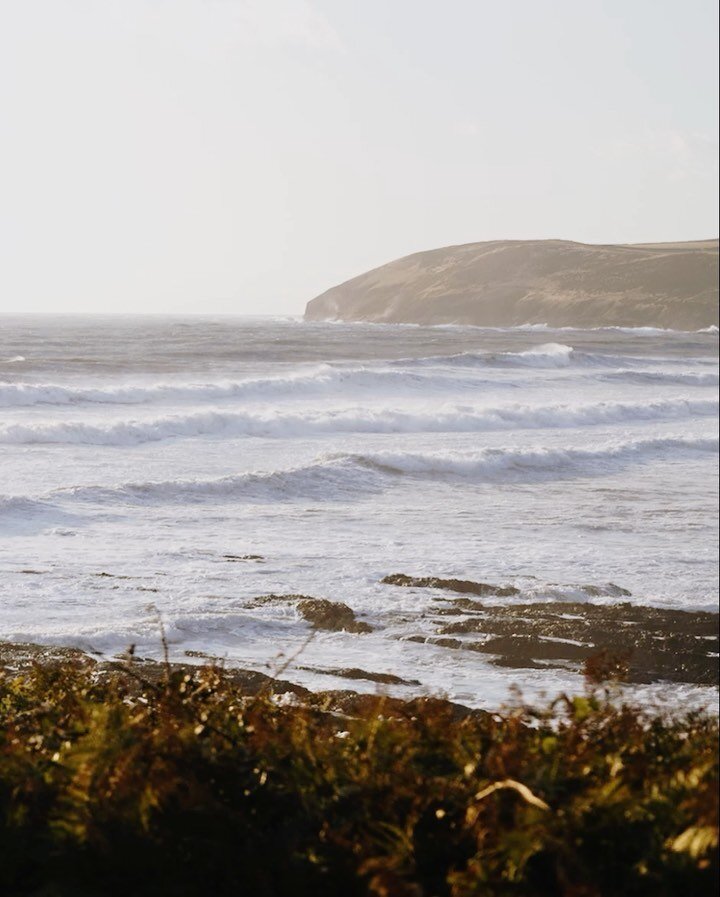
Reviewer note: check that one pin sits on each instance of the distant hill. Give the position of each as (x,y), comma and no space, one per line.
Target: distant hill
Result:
(554,282)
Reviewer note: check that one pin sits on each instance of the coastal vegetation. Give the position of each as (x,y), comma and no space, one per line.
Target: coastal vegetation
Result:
(145,778)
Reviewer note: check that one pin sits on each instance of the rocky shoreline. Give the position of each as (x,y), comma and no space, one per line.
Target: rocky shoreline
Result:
(137,673)
(633,643)
(645,644)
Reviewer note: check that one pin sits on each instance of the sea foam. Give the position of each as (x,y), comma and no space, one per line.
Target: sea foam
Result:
(323,380)
(289,424)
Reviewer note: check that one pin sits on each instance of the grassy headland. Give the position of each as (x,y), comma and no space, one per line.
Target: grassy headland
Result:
(556,282)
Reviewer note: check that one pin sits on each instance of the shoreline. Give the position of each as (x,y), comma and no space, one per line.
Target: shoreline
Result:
(639,646)
(137,673)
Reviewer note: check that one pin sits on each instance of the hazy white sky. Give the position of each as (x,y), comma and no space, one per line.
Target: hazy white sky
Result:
(242,156)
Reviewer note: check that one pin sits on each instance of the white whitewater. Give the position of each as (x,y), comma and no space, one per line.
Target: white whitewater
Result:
(146,463)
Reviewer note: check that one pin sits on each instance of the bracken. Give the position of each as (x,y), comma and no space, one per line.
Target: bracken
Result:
(185,784)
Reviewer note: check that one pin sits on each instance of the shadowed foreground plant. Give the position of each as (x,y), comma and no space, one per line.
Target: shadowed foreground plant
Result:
(187,786)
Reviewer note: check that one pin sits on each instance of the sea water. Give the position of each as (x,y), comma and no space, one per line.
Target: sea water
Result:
(143,459)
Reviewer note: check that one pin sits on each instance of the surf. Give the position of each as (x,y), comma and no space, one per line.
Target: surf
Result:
(280,424)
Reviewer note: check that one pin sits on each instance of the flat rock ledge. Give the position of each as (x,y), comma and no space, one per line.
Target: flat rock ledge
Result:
(640,644)
(461,586)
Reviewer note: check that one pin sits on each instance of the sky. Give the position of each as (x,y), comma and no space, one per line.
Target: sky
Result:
(242,156)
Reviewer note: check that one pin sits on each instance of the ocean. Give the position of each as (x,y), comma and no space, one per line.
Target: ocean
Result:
(164,474)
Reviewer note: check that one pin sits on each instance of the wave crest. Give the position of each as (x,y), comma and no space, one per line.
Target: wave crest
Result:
(324,380)
(289,424)
(348,476)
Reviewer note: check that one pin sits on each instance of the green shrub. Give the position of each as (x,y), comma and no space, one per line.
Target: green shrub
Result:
(112,784)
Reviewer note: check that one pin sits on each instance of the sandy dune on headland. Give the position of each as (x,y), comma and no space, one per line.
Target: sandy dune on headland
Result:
(554,282)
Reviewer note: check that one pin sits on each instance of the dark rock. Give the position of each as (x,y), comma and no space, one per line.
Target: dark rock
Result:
(351,703)
(355,673)
(333,616)
(447,642)
(462,586)
(279,599)
(467,605)
(15,657)
(522,647)
(660,644)
(609,589)
(18,656)
(250,682)
(243,557)
(464,626)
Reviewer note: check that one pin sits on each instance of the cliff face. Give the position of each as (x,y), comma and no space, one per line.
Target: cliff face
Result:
(554,282)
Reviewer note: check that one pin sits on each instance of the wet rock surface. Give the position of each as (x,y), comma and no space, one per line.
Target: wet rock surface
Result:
(321,613)
(235,558)
(332,616)
(17,657)
(461,586)
(272,598)
(350,703)
(656,644)
(356,673)
(136,672)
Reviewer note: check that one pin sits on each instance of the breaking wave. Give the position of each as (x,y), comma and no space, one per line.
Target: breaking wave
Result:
(548,355)
(324,380)
(491,463)
(328,479)
(288,425)
(435,373)
(552,355)
(345,476)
